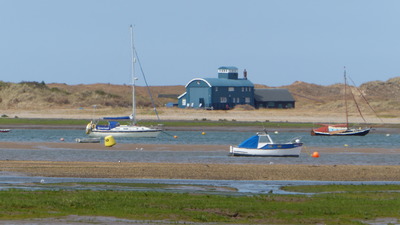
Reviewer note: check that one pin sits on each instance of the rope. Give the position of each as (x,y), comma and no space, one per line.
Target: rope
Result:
(168,133)
(148,88)
(358,108)
(376,114)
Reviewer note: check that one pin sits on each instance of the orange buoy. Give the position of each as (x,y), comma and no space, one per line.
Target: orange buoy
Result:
(175,137)
(315,155)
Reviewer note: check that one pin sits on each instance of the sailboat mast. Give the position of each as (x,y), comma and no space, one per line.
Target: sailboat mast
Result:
(345,98)
(133,79)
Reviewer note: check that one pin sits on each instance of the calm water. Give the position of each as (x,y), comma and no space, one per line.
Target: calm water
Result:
(372,140)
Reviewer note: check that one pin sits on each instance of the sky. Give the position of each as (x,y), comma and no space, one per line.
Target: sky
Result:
(278,42)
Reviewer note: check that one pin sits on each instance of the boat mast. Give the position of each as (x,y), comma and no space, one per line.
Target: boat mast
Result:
(133,79)
(345,98)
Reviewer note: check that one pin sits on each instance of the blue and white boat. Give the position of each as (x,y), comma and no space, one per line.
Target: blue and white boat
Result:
(262,144)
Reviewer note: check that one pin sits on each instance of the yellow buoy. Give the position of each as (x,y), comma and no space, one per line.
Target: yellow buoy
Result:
(109,141)
(203,133)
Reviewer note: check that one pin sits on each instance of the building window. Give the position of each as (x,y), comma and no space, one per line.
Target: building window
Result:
(216,89)
(231,89)
(247,100)
(223,100)
(242,89)
(184,101)
(237,100)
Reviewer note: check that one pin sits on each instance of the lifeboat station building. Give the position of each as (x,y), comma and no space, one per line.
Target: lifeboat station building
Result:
(228,90)
(224,92)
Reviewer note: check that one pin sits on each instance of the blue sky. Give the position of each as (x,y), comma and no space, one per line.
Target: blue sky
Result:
(277,41)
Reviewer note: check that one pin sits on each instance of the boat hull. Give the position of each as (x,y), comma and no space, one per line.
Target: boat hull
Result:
(272,152)
(126,131)
(135,134)
(357,132)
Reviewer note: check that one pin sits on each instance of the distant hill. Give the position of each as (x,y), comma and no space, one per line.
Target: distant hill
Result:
(382,95)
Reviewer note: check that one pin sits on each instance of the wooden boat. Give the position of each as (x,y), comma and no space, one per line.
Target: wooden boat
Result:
(262,144)
(341,129)
(113,127)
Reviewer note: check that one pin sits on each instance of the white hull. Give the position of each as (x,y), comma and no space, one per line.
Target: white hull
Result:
(126,131)
(288,152)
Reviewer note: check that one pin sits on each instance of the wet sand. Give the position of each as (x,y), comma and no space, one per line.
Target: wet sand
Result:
(196,170)
(173,147)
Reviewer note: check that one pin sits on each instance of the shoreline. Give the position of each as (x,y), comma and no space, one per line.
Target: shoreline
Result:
(380,130)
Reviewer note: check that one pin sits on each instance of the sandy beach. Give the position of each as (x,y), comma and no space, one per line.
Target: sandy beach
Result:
(196,170)
(297,115)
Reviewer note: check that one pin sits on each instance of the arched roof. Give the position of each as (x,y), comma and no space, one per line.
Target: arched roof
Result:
(218,82)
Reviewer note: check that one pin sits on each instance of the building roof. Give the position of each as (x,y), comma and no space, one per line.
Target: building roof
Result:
(182,95)
(273,94)
(218,82)
(227,68)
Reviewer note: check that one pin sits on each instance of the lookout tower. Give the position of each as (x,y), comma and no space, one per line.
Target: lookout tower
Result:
(228,72)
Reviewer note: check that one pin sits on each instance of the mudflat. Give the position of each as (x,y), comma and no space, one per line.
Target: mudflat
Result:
(196,170)
(203,171)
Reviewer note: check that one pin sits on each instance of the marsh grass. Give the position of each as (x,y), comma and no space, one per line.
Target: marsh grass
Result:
(5,120)
(25,121)
(363,202)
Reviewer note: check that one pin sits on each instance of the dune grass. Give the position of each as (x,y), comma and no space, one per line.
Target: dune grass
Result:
(350,207)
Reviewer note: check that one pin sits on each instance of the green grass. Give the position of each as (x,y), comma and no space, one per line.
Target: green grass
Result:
(23,121)
(362,202)
(225,123)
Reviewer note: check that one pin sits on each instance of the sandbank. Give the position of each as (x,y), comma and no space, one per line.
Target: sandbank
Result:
(196,170)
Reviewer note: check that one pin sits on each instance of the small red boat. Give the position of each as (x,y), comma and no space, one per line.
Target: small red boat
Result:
(4,130)
(342,129)
(339,130)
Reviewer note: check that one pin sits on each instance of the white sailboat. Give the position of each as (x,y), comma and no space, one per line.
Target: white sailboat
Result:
(114,127)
